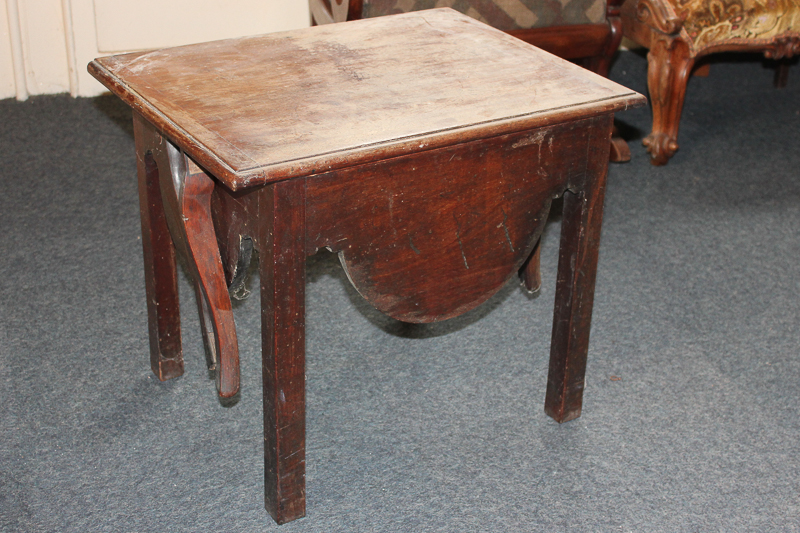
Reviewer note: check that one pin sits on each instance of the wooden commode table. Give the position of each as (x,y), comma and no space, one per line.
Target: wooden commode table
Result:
(424,148)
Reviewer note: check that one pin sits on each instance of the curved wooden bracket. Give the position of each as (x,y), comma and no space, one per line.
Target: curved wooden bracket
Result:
(215,309)
(179,192)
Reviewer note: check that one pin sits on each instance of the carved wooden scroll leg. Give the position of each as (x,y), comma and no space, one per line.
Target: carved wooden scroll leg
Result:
(215,303)
(669,65)
(531,273)
(281,245)
(577,267)
(160,273)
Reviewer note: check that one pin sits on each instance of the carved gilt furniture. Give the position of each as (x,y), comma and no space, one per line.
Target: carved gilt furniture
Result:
(424,148)
(679,32)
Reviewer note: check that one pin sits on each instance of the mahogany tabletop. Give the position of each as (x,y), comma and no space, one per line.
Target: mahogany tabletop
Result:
(253,110)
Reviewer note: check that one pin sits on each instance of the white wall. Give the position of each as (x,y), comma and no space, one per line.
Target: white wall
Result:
(46,44)
(7,85)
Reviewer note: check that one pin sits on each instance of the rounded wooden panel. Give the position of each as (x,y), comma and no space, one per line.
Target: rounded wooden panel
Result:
(429,236)
(445,263)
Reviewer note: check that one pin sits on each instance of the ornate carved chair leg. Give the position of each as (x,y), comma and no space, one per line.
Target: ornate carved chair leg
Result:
(531,272)
(669,65)
(281,245)
(163,310)
(577,267)
(217,310)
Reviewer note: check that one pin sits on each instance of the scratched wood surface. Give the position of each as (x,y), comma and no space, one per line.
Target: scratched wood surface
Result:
(259,109)
(437,243)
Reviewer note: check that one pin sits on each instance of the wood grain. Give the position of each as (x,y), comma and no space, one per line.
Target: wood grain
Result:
(577,269)
(282,257)
(176,216)
(432,235)
(260,109)
(160,268)
(216,311)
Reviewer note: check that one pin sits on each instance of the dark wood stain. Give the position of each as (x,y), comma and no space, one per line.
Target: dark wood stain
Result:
(425,246)
(434,198)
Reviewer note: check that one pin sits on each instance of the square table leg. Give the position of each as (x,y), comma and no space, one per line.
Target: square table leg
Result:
(160,270)
(281,246)
(577,270)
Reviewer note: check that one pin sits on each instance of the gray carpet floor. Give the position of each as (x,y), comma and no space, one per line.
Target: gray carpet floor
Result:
(691,419)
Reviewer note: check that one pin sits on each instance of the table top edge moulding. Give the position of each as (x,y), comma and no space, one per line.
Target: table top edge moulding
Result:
(252,126)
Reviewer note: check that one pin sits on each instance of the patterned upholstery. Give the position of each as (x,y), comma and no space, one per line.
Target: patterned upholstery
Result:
(502,14)
(714,22)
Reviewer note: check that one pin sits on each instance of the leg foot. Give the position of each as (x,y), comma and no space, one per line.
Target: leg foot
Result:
(669,65)
(661,147)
